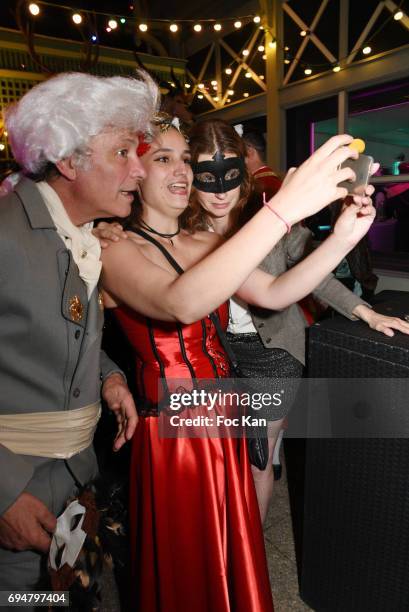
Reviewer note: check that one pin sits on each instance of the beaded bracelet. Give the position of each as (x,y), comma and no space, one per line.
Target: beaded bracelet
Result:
(288,225)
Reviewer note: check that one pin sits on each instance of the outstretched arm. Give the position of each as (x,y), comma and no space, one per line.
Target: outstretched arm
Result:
(279,292)
(150,290)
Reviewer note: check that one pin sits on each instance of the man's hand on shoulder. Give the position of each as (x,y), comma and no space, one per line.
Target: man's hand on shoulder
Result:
(27,525)
(119,399)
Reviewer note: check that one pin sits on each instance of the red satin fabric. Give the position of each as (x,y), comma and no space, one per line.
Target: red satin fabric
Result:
(196,536)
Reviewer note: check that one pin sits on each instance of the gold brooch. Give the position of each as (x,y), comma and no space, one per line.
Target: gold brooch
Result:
(76,309)
(100,300)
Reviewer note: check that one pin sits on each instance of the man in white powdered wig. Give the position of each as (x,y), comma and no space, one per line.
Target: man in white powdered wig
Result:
(75,137)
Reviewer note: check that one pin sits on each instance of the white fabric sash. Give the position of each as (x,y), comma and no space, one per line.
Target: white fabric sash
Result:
(58,435)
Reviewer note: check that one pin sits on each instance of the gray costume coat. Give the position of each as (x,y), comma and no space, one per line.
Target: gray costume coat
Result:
(50,358)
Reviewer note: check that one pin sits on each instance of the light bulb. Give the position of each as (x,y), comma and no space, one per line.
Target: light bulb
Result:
(34,9)
(77,19)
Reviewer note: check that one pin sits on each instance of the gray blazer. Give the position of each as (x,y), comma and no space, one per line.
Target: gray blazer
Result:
(286,329)
(48,361)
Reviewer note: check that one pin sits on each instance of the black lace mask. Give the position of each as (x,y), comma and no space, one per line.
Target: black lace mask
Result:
(219,175)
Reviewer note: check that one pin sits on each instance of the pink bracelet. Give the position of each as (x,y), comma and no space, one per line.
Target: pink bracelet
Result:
(288,225)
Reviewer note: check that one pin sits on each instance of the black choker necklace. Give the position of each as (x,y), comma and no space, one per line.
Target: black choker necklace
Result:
(153,231)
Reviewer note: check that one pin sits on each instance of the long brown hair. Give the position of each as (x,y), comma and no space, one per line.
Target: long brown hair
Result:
(209,136)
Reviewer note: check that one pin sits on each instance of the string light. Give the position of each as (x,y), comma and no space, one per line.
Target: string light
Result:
(228,100)
(79,17)
(200,96)
(34,9)
(246,95)
(230,92)
(216,98)
(2,146)
(214,83)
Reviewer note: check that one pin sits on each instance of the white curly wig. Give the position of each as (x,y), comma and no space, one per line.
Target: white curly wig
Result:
(58,117)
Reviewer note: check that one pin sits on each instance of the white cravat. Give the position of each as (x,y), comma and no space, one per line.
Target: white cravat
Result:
(84,246)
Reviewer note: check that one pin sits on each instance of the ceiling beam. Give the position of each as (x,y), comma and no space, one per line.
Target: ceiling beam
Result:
(385,67)
(393,7)
(310,36)
(378,10)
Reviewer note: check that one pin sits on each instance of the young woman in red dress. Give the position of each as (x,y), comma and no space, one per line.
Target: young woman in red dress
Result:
(196,535)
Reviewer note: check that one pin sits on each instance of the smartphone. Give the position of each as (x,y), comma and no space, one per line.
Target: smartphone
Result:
(362,168)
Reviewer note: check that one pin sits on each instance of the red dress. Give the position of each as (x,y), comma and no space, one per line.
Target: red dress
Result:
(196,537)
